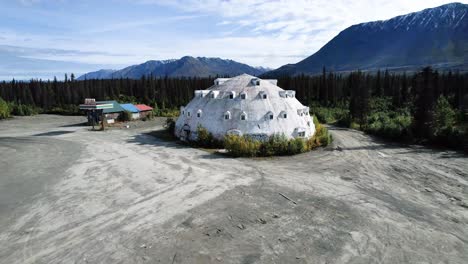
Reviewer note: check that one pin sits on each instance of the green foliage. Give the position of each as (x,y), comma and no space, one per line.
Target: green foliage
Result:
(206,139)
(125,116)
(384,121)
(65,110)
(242,146)
(329,115)
(126,99)
(169,112)
(321,138)
(444,118)
(4,109)
(276,145)
(448,127)
(150,116)
(23,110)
(156,111)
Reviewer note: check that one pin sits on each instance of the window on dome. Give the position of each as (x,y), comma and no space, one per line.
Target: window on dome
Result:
(243,116)
(227,115)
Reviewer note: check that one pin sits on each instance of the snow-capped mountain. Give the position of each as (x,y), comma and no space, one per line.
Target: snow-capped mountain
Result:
(184,67)
(435,37)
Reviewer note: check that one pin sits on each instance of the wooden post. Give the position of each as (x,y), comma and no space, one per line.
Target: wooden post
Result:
(102,120)
(92,117)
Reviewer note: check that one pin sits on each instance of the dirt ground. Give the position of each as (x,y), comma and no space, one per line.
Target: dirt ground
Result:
(71,195)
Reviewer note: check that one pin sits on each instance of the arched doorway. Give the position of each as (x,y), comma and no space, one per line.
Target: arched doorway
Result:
(185,133)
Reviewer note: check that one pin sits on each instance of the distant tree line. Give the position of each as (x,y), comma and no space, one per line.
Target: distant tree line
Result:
(389,104)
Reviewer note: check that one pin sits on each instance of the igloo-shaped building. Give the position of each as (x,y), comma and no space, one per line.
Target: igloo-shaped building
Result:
(245,105)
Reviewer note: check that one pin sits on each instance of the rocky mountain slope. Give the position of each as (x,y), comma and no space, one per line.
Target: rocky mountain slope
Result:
(436,36)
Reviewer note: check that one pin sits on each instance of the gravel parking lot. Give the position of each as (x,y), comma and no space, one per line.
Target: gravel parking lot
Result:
(71,195)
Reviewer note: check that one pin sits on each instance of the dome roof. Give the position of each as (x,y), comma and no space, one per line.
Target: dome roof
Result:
(248,105)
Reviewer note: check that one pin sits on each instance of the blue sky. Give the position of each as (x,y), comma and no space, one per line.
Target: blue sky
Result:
(43,38)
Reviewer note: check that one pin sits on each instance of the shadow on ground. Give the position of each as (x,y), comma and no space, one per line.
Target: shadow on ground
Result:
(53,133)
(81,124)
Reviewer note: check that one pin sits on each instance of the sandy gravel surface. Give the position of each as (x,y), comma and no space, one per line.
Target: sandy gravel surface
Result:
(70,195)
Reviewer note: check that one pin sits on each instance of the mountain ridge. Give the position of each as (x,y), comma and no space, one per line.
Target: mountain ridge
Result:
(186,66)
(432,37)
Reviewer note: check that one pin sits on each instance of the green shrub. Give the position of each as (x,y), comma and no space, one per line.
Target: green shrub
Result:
(65,110)
(23,110)
(205,139)
(242,146)
(4,109)
(321,138)
(390,124)
(276,144)
(296,146)
(168,112)
(150,116)
(328,115)
(444,118)
(125,116)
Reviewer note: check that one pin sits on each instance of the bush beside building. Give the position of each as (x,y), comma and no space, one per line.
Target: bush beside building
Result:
(246,146)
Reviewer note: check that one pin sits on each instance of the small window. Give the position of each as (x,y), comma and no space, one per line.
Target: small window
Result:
(212,95)
(243,116)
(227,115)
(308,123)
(264,96)
(199,113)
(284,115)
(301,134)
(188,113)
(183,113)
(243,96)
(231,96)
(269,116)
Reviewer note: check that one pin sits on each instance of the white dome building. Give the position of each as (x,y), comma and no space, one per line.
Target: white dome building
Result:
(245,105)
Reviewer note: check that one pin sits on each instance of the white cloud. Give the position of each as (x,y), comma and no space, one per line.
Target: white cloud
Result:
(256,32)
(295,27)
